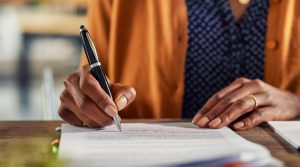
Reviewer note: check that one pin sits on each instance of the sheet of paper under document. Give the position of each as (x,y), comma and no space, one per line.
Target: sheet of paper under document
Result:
(288,130)
(163,144)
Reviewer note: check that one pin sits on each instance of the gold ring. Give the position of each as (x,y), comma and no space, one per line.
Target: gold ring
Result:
(255,101)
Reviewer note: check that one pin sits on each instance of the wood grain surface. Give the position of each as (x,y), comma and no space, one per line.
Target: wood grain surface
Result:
(46,130)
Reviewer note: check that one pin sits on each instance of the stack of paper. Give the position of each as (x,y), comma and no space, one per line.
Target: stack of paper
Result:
(289,131)
(168,144)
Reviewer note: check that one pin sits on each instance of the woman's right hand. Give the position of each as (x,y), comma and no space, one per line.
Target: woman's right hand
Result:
(84,102)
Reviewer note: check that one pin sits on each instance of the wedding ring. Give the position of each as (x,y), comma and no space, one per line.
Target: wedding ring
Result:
(244,2)
(255,101)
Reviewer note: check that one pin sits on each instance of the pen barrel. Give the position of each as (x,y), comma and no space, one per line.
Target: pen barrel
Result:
(97,72)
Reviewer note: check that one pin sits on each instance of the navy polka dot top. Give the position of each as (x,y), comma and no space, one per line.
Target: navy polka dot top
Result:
(221,49)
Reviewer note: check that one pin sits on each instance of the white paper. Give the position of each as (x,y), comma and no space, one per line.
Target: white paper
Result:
(288,130)
(165,144)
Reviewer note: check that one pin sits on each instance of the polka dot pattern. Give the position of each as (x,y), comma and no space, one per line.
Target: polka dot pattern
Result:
(221,49)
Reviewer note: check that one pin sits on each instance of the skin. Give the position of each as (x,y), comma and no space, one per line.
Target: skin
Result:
(84,103)
(234,101)
(238,9)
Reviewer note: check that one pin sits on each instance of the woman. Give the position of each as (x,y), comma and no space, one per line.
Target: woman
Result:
(218,62)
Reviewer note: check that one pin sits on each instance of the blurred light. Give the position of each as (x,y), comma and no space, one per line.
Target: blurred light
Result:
(10,34)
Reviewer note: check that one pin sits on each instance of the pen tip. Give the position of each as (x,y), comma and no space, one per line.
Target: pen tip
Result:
(120,128)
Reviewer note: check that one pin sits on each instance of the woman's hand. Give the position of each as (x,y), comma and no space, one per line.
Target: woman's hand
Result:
(258,100)
(84,102)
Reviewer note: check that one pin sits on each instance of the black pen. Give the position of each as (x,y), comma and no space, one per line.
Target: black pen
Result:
(95,67)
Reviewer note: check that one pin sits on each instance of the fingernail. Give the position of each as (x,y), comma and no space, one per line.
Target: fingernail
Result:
(215,123)
(133,92)
(194,121)
(203,121)
(111,111)
(121,102)
(197,116)
(238,125)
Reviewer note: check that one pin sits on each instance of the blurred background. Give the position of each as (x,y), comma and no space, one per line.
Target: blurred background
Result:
(39,46)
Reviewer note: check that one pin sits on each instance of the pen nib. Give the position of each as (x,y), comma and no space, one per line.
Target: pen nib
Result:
(117,121)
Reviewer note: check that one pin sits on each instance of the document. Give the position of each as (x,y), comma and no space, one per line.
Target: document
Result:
(165,144)
(288,130)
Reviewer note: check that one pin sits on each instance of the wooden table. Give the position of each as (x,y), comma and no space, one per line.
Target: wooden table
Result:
(45,129)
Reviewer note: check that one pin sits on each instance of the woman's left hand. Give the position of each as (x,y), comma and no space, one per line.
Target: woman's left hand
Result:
(263,102)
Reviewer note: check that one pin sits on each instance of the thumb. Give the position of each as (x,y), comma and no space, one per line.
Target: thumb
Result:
(123,95)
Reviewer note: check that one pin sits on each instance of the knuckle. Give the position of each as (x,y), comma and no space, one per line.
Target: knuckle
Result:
(63,95)
(258,83)
(247,122)
(225,119)
(86,84)
(71,79)
(251,121)
(62,112)
(84,68)
(103,101)
(82,104)
(66,81)
(203,110)
(260,114)
(229,116)
(240,104)
(256,118)
(242,80)
(211,115)
(217,97)
(226,101)
(268,97)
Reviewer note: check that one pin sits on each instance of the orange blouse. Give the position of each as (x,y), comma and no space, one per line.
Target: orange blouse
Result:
(143,44)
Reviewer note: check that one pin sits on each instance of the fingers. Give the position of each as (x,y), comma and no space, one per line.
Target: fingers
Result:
(244,88)
(69,116)
(213,101)
(238,97)
(257,117)
(237,109)
(224,109)
(235,105)
(91,88)
(123,95)
(70,113)
(83,101)
(72,119)
(84,105)
(233,86)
